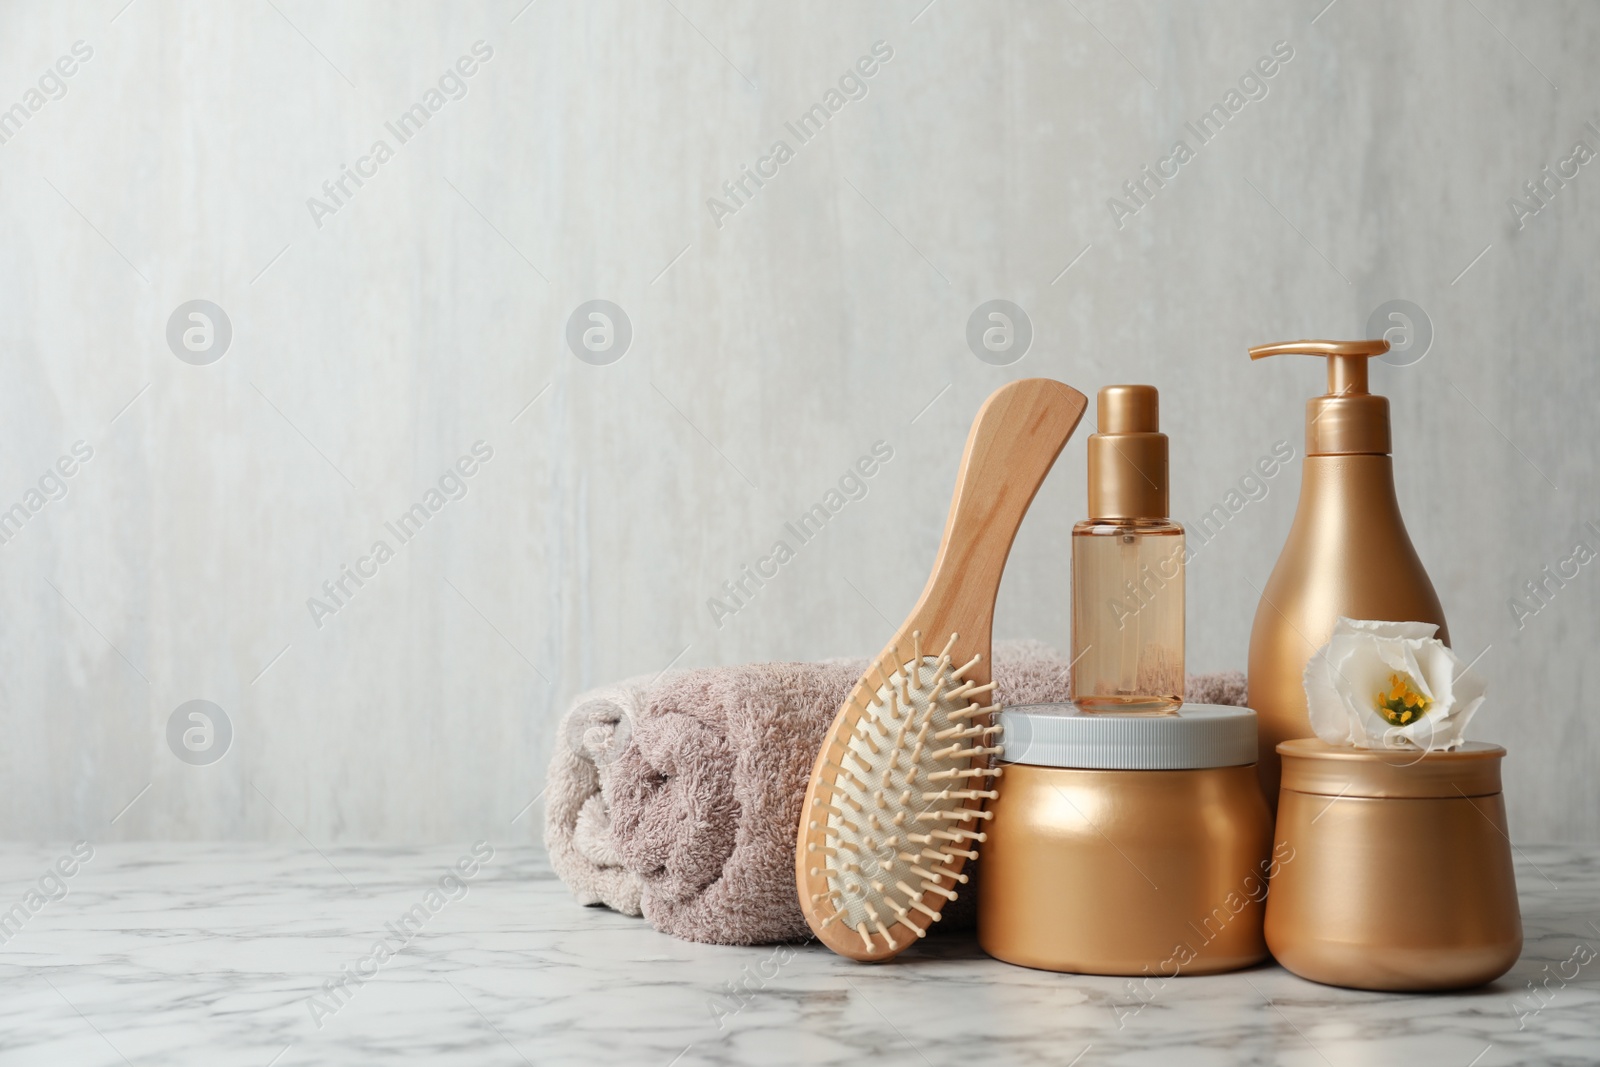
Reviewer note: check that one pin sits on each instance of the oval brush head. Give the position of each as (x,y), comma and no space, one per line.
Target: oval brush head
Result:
(895,811)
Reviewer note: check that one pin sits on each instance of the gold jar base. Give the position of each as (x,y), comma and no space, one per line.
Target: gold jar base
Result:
(1396,892)
(1126,872)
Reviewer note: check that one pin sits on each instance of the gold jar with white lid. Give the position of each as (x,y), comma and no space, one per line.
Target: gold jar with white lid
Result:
(1126,844)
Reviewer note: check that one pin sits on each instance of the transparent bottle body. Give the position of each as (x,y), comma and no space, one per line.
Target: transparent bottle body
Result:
(1127,616)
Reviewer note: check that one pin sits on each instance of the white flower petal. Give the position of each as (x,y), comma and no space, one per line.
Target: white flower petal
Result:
(1396,655)
(1324,705)
(1469,688)
(1413,631)
(1436,670)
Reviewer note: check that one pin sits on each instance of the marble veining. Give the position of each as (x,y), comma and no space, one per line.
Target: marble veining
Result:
(211,954)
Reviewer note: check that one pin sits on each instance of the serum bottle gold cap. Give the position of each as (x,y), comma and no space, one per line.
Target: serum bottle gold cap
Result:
(1128,455)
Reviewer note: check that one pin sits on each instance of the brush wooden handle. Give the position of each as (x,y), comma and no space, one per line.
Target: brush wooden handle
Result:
(1013,443)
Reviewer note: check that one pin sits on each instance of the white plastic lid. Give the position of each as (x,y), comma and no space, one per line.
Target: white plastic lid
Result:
(1061,735)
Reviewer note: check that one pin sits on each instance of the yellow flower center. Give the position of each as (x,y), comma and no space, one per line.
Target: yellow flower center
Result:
(1401,704)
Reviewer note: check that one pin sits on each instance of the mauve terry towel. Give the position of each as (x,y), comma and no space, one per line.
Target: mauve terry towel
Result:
(577,814)
(702,796)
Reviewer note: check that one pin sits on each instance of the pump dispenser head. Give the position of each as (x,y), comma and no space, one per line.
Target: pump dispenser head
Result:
(1347,420)
(1128,455)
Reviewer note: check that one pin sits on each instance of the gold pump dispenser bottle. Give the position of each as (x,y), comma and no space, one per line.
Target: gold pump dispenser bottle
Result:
(1348,552)
(1127,566)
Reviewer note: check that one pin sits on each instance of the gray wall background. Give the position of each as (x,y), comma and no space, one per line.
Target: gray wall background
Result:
(767,354)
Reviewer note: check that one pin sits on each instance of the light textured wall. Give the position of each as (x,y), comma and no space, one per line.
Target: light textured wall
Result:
(768,353)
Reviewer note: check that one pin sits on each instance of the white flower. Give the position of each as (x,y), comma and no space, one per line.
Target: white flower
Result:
(1389,685)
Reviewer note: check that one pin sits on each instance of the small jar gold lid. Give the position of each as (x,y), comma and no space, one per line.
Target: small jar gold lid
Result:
(1311,765)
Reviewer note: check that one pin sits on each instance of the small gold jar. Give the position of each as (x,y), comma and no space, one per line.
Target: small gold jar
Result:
(1396,871)
(1126,844)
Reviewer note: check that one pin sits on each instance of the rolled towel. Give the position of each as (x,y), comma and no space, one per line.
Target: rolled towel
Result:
(1224,687)
(704,802)
(577,825)
(704,796)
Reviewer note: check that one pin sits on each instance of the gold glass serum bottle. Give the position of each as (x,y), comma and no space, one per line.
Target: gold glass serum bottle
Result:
(1127,566)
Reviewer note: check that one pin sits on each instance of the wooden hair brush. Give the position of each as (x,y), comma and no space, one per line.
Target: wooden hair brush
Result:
(895,805)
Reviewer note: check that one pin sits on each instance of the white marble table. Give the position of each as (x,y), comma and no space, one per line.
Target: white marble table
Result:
(207,954)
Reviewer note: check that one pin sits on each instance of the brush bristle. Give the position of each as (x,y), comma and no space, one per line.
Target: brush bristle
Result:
(895,811)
